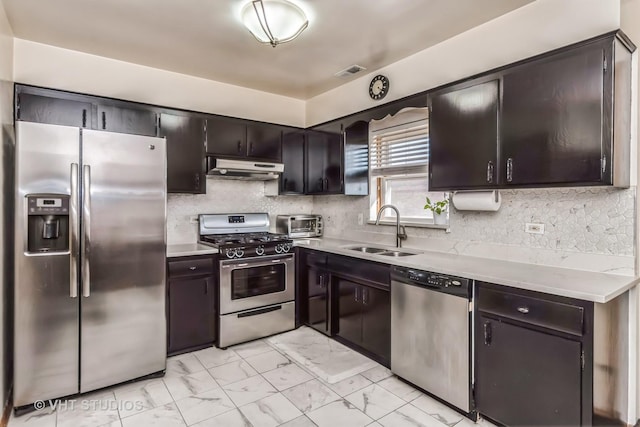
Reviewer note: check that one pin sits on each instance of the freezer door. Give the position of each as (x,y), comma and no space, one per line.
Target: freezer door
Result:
(123,244)
(46,306)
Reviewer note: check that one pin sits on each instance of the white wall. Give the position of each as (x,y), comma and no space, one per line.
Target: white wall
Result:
(535,28)
(44,65)
(6,172)
(630,24)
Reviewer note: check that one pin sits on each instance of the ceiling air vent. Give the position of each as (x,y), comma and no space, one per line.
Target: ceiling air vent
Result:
(354,69)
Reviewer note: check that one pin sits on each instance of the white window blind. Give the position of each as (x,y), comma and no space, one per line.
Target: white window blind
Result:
(400,144)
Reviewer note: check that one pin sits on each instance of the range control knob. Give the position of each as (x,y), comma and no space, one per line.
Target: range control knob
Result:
(230,253)
(279,248)
(239,253)
(260,250)
(456,283)
(286,247)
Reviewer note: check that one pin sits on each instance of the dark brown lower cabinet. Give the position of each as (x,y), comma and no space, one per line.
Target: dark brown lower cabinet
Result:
(530,356)
(364,317)
(191,304)
(318,285)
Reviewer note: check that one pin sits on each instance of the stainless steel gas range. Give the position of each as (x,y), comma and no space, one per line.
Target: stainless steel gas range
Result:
(257,276)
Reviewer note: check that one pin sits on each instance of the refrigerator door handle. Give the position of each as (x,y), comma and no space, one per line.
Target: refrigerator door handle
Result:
(73,234)
(86,230)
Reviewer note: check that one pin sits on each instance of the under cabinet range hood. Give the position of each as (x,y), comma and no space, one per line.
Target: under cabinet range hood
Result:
(243,169)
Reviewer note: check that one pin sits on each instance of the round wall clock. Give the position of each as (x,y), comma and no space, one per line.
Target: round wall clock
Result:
(379,87)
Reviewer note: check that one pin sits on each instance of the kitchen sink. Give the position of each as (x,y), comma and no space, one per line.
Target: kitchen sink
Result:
(368,249)
(382,251)
(396,253)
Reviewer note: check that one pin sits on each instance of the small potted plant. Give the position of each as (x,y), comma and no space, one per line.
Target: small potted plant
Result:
(439,210)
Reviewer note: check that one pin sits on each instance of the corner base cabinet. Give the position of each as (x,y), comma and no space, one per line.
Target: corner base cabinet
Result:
(535,362)
(191,308)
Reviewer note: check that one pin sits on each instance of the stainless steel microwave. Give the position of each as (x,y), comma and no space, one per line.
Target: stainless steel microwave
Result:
(299,225)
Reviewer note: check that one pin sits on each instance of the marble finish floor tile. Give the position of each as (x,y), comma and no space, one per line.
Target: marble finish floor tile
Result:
(302,421)
(211,357)
(325,357)
(140,396)
(340,413)
(232,418)
(287,376)
(409,416)
(270,411)
(90,410)
(311,395)
(252,348)
(377,373)
(375,401)
(190,385)
(43,418)
(163,416)
(400,388)
(185,364)
(204,405)
(232,372)
(437,410)
(249,390)
(267,361)
(349,385)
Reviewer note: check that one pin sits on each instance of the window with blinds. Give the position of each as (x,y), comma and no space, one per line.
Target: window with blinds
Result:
(399,166)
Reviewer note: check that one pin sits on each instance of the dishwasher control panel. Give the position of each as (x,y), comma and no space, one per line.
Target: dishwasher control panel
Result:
(442,282)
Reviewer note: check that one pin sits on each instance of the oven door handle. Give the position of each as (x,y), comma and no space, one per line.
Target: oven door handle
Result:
(257,262)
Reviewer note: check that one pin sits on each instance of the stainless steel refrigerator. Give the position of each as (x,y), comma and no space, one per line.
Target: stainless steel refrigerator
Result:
(90,253)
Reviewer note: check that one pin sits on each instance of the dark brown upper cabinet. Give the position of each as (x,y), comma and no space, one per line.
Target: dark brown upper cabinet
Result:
(555,119)
(127,119)
(558,119)
(185,153)
(323,163)
(356,159)
(463,137)
(55,111)
(235,138)
(293,154)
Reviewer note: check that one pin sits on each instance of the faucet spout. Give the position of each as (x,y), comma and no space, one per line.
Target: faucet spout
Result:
(400,230)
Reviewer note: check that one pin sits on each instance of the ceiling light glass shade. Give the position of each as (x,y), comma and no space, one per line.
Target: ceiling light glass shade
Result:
(274,21)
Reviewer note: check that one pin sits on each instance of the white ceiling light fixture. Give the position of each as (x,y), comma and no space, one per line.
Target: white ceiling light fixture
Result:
(274,21)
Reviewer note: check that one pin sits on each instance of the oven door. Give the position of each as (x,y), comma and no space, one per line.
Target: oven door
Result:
(252,283)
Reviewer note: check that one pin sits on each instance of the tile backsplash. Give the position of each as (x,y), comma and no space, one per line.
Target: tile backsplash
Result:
(223,196)
(590,228)
(586,228)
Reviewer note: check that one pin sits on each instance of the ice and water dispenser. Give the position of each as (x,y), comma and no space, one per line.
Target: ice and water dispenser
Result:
(48,223)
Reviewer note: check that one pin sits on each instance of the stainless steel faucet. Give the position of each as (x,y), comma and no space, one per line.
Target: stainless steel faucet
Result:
(400,230)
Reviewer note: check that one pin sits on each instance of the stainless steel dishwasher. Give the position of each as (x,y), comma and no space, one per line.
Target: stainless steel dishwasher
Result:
(430,333)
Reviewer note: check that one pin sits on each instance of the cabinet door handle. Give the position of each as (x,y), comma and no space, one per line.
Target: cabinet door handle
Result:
(239,146)
(321,182)
(326,184)
(192,268)
(321,277)
(356,292)
(104,120)
(509,169)
(251,147)
(365,296)
(523,310)
(487,333)
(489,171)
(197,181)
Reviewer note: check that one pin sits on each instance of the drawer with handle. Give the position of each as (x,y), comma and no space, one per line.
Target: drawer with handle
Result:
(191,267)
(535,311)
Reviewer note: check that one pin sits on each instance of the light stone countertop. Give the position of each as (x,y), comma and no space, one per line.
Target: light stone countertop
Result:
(189,249)
(584,285)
